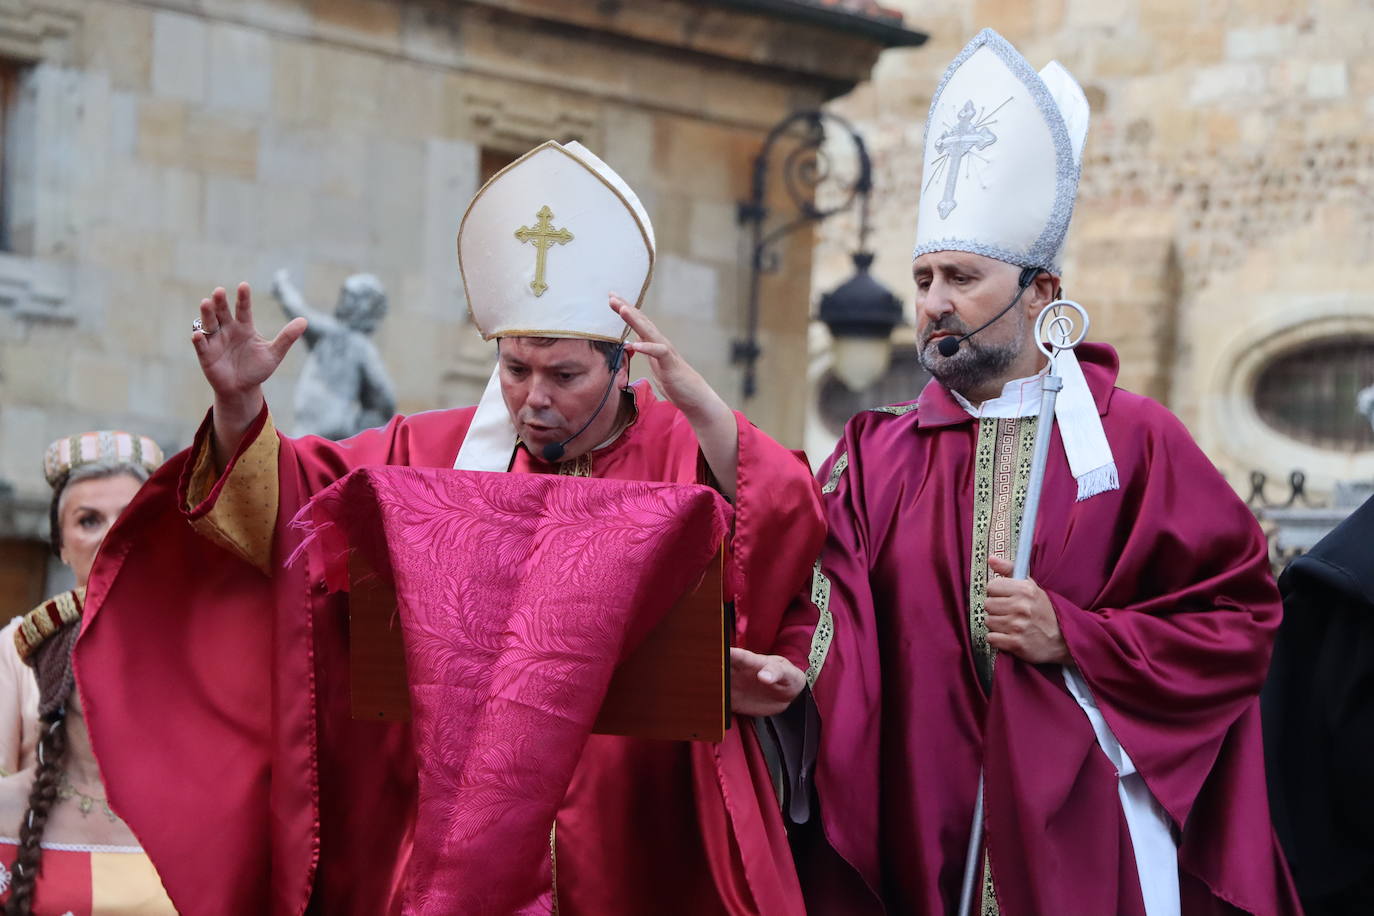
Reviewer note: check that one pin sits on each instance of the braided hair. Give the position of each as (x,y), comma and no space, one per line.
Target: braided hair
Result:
(47,644)
(52,664)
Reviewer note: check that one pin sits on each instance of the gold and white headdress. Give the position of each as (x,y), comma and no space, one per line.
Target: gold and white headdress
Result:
(542,246)
(106,446)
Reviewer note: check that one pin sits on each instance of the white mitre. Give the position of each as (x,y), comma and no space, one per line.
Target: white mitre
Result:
(1002,154)
(541,247)
(1003,150)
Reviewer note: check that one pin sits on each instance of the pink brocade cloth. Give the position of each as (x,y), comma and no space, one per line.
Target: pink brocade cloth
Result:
(518,595)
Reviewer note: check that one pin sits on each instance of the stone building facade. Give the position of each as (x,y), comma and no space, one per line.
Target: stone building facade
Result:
(157,148)
(1224,234)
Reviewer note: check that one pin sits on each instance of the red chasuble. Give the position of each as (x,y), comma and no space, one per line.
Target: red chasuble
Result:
(1163,592)
(219,703)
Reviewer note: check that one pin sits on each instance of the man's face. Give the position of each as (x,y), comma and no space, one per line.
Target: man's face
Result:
(551,388)
(957,292)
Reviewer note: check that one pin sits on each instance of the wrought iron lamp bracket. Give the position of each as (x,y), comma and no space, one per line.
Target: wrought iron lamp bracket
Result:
(805,167)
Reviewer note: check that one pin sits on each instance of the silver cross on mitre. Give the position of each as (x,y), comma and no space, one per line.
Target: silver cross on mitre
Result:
(966,137)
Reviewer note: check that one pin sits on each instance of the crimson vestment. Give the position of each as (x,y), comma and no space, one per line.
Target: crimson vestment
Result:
(1163,593)
(253,790)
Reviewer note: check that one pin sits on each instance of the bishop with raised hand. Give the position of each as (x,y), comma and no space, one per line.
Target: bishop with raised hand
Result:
(284,801)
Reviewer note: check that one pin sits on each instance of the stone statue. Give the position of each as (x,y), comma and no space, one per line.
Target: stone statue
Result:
(1364,403)
(344,388)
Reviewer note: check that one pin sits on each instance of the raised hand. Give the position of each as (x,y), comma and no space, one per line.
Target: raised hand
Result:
(682,384)
(234,357)
(762,685)
(236,360)
(711,419)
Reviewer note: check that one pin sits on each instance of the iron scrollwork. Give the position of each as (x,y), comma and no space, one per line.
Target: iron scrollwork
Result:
(805,168)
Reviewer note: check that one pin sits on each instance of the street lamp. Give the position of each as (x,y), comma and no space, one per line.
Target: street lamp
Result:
(861,313)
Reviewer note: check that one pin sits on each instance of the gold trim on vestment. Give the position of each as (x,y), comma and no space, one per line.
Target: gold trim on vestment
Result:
(1002,461)
(244,517)
(581,466)
(553,865)
(833,483)
(896,410)
(984,456)
(990,906)
(825,625)
(561,335)
(820,592)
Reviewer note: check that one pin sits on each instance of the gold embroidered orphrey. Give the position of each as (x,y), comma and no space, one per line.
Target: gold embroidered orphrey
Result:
(1002,464)
(542,236)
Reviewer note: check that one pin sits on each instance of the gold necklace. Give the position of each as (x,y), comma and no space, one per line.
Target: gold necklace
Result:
(84,803)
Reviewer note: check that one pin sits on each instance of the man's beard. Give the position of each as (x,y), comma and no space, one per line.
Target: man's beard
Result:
(975,362)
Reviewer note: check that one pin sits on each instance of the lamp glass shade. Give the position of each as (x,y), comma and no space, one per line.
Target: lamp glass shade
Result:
(860,361)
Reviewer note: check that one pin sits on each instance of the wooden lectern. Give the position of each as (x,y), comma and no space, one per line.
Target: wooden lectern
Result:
(674,686)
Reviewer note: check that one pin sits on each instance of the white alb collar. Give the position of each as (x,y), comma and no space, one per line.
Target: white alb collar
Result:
(1019,398)
(1080,428)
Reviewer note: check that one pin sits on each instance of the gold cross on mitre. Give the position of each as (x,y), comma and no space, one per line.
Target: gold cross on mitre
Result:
(542,236)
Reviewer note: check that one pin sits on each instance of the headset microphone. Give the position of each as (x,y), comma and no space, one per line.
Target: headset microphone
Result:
(948,346)
(554,450)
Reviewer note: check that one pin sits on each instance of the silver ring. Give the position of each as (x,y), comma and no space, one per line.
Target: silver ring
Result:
(199,325)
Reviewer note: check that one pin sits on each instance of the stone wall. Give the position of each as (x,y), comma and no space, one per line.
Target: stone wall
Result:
(1226,210)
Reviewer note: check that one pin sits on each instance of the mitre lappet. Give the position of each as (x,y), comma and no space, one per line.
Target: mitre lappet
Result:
(541,247)
(1003,150)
